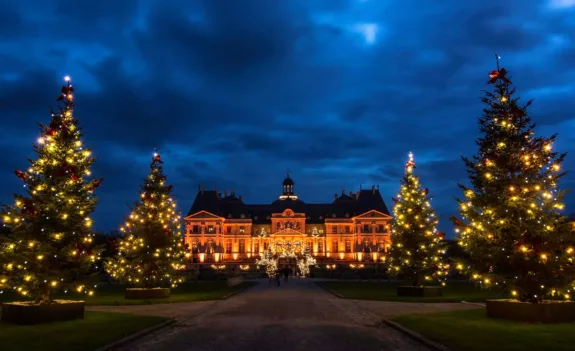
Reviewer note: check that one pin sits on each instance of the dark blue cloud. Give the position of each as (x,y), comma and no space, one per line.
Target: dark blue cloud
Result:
(236,93)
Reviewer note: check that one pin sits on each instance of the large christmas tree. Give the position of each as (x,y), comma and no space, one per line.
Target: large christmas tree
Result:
(415,254)
(512,228)
(151,250)
(49,247)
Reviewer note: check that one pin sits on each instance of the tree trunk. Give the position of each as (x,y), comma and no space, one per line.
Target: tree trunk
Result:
(45,298)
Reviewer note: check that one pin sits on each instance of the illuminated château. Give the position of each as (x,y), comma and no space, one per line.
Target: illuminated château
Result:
(355,227)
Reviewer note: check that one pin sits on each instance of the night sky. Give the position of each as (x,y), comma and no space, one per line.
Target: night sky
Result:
(236,93)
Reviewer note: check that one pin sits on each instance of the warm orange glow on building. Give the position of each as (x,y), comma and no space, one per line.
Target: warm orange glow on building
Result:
(354,227)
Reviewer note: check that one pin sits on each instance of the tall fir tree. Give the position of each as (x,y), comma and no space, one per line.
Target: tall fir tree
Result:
(512,227)
(151,250)
(50,244)
(416,254)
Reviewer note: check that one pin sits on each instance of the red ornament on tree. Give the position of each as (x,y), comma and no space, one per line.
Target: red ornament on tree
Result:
(72,170)
(51,131)
(457,223)
(96,183)
(498,74)
(20,174)
(394,200)
(494,74)
(82,250)
(157,158)
(28,207)
(67,91)
(54,125)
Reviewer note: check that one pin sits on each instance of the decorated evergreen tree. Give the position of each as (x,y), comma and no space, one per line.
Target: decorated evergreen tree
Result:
(512,228)
(151,251)
(270,263)
(415,254)
(305,262)
(50,244)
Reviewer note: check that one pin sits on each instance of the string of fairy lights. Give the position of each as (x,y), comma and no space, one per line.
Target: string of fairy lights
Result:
(270,257)
(268,261)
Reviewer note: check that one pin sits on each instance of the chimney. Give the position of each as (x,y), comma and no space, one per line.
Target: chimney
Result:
(373,188)
(350,193)
(334,197)
(203,188)
(225,193)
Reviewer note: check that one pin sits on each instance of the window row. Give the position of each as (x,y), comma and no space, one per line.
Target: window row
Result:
(367,228)
(348,247)
(196,229)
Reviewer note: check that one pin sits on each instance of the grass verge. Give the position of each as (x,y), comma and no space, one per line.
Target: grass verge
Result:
(471,330)
(113,295)
(96,330)
(383,291)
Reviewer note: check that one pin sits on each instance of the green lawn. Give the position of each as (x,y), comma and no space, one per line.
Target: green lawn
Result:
(471,330)
(114,294)
(96,330)
(383,291)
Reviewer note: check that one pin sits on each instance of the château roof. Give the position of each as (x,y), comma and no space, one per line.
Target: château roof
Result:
(233,207)
(206,200)
(370,200)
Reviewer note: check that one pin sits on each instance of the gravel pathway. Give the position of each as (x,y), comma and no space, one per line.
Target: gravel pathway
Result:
(296,316)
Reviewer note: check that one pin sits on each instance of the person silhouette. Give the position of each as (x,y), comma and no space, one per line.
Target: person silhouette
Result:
(278,277)
(286,273)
